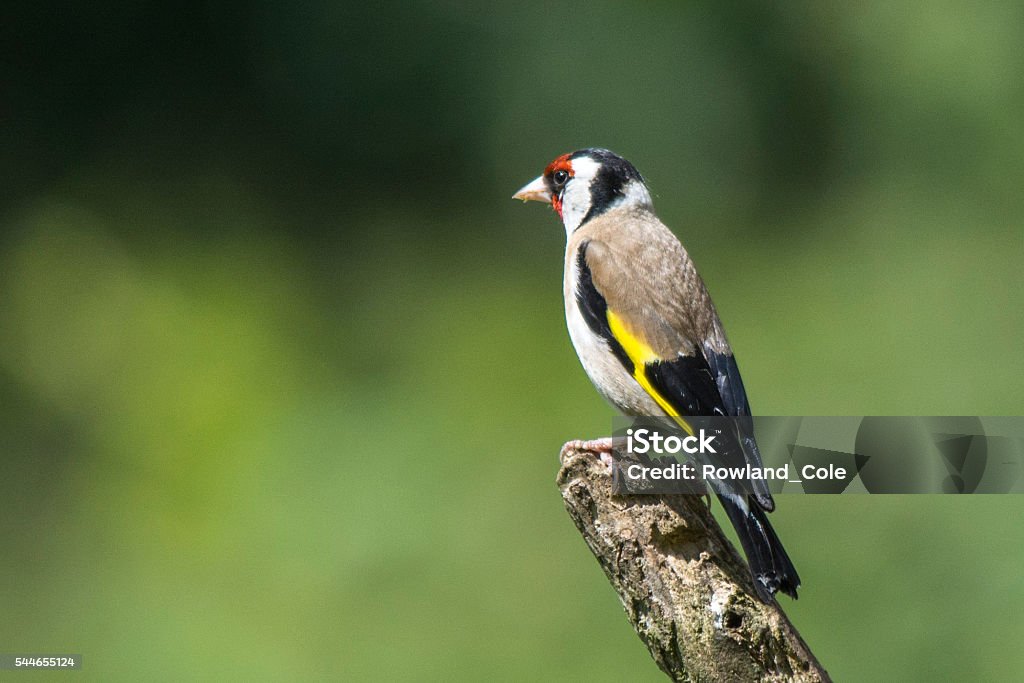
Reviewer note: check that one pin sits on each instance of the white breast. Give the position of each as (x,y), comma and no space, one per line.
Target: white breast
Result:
(605,370)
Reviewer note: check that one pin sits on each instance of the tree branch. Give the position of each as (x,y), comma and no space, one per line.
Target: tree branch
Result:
(686,591)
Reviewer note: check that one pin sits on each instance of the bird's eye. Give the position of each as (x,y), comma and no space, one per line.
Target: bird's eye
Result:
(560,177)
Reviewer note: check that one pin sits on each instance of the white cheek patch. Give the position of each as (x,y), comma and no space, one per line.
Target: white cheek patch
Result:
(576,199)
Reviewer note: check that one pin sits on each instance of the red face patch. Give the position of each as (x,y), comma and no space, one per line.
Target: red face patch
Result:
(562,163)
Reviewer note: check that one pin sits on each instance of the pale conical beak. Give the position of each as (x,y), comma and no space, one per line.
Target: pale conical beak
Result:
(535,190)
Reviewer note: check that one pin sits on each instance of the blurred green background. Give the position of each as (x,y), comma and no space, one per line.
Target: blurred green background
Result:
(283,368)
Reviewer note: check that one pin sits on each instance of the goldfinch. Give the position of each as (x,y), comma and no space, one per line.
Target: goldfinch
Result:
(647,333)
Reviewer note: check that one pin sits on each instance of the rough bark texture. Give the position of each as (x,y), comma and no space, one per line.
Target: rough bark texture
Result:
(685,589)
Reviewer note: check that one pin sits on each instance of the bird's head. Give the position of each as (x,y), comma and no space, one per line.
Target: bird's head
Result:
(586,184)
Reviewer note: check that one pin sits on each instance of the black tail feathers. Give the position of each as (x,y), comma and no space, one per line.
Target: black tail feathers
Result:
(771,567)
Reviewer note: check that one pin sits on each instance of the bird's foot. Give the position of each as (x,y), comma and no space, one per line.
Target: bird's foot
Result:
(603,447)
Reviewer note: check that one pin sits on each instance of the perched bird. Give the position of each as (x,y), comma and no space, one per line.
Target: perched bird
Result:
(647,333)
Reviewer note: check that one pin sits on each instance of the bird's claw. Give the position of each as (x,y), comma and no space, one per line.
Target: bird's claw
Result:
(602,447)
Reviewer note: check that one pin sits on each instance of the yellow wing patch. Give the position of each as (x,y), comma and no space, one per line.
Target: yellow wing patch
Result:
(641,354)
